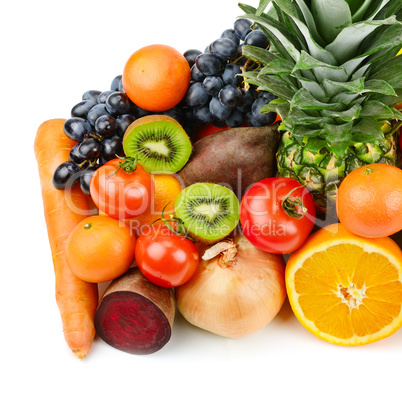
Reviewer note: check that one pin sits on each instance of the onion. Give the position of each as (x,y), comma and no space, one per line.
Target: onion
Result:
(236,290)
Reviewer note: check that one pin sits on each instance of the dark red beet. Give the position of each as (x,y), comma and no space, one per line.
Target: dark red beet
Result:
(135,315)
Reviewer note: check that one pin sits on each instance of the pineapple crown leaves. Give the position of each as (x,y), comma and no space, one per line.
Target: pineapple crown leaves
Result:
(333,64)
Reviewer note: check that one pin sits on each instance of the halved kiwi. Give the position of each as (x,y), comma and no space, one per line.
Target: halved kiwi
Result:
(159,141)
(209,212)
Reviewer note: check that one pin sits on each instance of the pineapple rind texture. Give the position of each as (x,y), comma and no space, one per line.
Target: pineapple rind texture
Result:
(337,77)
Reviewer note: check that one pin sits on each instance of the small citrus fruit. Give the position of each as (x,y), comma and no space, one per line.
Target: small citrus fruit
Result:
(167,188)
(346,289)
(156,77)
(100,248)
(369,200)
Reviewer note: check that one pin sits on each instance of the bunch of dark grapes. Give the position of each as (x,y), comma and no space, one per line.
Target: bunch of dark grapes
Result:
(97,125)
(217,92)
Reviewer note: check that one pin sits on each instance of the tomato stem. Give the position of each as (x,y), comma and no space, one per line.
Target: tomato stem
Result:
(291,204)
(178,223)
(129,164)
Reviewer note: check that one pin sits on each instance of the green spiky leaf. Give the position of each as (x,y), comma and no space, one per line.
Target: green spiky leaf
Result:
(379,86)
(307,62)
(358,8)
(331,17)
(278,66)
(258,54)
(376,108)
(367,130)
(304,100)
(346,44)
(347,115)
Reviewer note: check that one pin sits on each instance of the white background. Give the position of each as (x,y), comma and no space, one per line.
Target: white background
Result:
(52,52)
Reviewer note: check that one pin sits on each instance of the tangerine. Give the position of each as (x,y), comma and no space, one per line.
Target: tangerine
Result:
(156,77)
(369,200)
(100,248)
(166,188)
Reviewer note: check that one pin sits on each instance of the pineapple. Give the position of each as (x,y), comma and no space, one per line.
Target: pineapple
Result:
(334,67)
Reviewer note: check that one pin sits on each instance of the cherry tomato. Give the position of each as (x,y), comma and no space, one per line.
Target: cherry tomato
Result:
(165,258)
(121,192)
(277,215)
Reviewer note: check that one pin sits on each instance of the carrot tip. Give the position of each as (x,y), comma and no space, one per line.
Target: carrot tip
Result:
(79,353)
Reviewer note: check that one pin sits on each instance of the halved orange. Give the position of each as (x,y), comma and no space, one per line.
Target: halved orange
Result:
(346,289)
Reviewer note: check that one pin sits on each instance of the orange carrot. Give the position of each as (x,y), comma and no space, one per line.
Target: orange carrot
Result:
(77,300)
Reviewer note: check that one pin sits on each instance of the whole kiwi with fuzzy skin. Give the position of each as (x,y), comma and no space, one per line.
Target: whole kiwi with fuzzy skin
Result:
(160,143)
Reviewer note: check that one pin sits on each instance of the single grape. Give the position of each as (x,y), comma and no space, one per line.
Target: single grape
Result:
(230,96)
(91,94)
(138,112)
(103,96)
(76,128)
(251,121)
(262,119)
(230,34)
(196,74)
(89,149)
(196,96)
(82,108)
(208,49)
(218,110)
(105,125)
(242,27)
(203,114)
(241,60)
(268,96)
(247,99)
(236,118)
(85,178)
(123,122)
(121,88)
(190,55)
(95,112)
(230,74)
(175,113)
(114,86)
(66,174)
(111,147)
(74,156)
(212,85)
(257,38)
(208,64)
(117,103)
(225,49)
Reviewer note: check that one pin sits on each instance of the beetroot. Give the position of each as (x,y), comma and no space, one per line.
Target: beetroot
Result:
(236,158)
(135,315)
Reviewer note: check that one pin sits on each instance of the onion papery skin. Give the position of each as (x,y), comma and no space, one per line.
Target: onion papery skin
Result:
(236,299)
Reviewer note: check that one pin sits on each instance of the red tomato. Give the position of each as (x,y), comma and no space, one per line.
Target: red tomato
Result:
(165,258)
(120,194)
(277,215)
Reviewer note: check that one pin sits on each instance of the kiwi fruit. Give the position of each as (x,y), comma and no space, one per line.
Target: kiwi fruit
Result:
(209,211)
(160,143)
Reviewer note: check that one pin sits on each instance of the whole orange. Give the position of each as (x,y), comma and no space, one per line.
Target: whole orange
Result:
(369,200)
(166,188)
(156,77)
(100,248)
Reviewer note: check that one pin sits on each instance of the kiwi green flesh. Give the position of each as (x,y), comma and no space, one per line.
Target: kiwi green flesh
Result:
(161,146)
(209,211)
